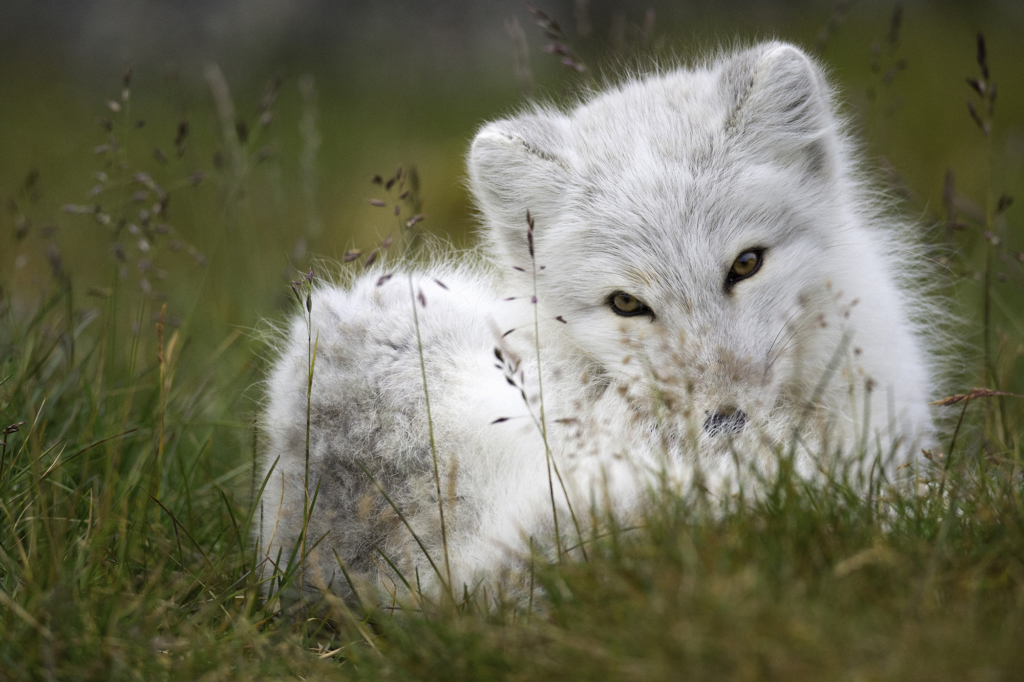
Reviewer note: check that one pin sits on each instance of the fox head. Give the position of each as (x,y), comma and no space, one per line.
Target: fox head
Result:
(689,225)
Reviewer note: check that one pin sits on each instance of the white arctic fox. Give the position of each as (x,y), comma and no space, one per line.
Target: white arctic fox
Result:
(709,286)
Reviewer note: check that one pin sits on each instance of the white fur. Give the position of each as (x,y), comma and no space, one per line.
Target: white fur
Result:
(652,188)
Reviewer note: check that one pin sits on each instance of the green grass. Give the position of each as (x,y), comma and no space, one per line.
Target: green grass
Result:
(126,478)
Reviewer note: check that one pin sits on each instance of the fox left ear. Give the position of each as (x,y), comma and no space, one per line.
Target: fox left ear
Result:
(517,165)
(780,105)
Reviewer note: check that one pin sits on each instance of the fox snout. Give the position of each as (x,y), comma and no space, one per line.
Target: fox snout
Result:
(727,421)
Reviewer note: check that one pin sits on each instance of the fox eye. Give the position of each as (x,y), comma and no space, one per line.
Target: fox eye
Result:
(627,305)
(745,265)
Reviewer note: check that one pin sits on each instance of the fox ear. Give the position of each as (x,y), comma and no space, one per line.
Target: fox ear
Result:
(515,166)
(780,105)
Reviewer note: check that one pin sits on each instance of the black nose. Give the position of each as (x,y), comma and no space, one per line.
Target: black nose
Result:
(729,421)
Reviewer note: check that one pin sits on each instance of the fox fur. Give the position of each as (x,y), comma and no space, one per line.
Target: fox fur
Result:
(546,403)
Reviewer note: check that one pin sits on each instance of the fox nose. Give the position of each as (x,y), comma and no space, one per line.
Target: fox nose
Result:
(727,421)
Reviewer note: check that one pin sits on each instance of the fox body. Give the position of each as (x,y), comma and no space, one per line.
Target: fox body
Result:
(705,284)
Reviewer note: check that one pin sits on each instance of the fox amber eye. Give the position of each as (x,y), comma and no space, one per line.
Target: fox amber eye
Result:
(745,265)
(627,305)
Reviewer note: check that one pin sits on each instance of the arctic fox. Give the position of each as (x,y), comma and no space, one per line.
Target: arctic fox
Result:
(686,279)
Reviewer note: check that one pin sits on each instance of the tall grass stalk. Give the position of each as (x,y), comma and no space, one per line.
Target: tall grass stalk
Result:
(161,361)
(543,424)
(306,286)
(433,445)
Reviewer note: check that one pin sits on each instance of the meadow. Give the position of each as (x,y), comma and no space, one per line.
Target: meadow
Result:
(154,222)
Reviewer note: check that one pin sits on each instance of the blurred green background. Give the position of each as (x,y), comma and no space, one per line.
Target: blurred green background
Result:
(408,83)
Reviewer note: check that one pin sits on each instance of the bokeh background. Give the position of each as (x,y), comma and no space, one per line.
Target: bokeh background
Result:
(361,87)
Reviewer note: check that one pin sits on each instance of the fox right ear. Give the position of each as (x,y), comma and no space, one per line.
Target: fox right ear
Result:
(781,106)
(515,166)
